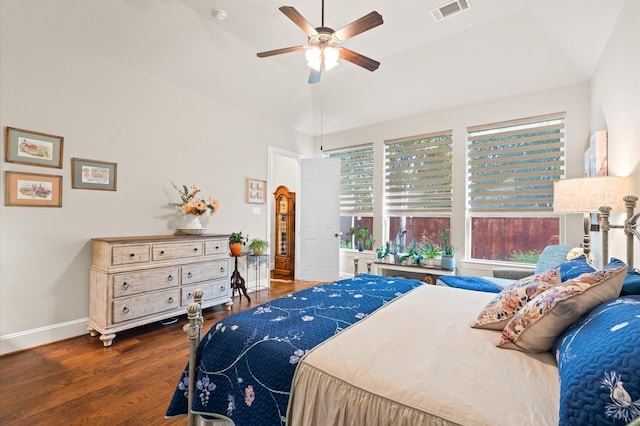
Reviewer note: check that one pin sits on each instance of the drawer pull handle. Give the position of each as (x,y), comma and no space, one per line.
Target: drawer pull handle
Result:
(189,295)
(125,285)
(170,300)
(217,247)
(132,255)
(125,310)
(222,269)
(195,249)
(222,288)
(161,251)
(189,274)
(170,278)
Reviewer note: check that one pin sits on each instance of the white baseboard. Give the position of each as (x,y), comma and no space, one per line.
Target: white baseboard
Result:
(41,336)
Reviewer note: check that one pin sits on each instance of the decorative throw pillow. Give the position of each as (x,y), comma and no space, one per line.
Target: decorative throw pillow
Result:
(535,327)
(574,268)
(631,284)
(511,299)
(598,363)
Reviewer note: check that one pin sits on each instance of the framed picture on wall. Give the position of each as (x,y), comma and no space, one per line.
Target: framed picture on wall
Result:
(32,190)
(92,174)
(33,148)
(256,191)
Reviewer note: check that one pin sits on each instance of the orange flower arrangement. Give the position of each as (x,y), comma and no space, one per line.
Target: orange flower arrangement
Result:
(191,203)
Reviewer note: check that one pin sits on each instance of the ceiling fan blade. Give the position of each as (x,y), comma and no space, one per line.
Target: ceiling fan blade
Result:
(314,76)
(299,20)
(358,59)
(280,51)
(361,25)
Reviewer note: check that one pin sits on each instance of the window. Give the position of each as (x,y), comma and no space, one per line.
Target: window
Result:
(356,191)
(511,167)
(418,192)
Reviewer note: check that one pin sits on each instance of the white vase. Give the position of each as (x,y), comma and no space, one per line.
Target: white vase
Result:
(192,224)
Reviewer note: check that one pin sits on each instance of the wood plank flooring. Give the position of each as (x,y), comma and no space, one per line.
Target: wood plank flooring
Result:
(80,382)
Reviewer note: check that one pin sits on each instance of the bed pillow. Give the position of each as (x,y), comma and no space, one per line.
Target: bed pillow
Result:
(511,299)
(598,363)
(536,326)
(631,284)
(574,268)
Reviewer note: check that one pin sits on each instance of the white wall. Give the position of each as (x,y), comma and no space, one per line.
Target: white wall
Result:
(615,107)
(96,73)
(574,100)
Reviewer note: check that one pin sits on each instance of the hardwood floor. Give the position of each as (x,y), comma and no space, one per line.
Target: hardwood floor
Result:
(80,382)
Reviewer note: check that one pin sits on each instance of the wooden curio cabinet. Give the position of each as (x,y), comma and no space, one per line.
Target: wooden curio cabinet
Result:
(285,204)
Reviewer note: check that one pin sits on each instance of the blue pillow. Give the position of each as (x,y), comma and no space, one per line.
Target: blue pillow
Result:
(574,268)
(631,284)
(599,365)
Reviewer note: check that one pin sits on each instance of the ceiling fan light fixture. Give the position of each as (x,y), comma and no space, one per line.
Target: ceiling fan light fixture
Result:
(314,57)
(331,56)
(322,57)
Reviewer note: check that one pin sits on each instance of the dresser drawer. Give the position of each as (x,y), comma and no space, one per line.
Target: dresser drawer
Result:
(197,272)
(170,251)
(213,247)
(127,255)
(212,290)
(130,308)
(130,283)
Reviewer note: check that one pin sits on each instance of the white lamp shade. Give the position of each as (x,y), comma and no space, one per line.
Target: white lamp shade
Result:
(586,195)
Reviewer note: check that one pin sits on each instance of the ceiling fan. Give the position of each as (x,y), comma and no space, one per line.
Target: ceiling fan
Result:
(323,49)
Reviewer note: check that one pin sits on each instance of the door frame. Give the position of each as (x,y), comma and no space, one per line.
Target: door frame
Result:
(272,152)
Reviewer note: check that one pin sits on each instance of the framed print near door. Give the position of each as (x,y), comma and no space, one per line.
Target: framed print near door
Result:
(33,148)
(92,174)
(32,190)
(256,191)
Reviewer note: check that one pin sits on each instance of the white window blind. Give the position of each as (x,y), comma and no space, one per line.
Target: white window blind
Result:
(512,165)
(418,174)
(356,179)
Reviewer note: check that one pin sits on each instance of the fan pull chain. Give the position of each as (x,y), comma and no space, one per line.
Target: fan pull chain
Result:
(321,120)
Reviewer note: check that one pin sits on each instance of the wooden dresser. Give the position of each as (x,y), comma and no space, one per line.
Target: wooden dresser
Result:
(139,280)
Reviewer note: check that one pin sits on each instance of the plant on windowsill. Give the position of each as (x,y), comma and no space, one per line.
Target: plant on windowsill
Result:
(364,239)
(236,241)
(258,246)
(448,251)
(430,252)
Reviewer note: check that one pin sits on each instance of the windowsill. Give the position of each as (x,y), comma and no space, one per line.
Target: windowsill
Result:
(492,264)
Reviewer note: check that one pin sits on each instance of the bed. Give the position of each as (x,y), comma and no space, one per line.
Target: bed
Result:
(375,350)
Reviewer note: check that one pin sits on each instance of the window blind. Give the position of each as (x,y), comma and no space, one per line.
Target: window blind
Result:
(356,179)
(418,174)
(511,165)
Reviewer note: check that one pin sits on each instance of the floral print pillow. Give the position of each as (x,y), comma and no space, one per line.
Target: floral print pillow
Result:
(511,299)
(536,326)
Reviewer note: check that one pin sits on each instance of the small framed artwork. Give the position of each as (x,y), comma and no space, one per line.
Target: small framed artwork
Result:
(256,191)
(92,174)
(33,148)
(32,190)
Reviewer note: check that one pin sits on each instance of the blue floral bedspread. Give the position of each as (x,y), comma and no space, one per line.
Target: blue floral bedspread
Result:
(246,361)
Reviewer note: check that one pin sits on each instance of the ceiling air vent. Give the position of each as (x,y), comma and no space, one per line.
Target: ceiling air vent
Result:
(450,8)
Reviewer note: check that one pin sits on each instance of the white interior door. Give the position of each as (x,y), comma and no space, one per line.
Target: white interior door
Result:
(318,220)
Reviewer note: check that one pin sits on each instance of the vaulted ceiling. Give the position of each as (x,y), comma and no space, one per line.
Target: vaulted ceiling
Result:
(495,49)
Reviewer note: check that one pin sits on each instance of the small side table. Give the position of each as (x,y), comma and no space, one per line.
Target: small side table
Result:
(257,261)
(237,282)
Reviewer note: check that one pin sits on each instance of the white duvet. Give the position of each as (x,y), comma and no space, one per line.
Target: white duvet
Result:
(417,361)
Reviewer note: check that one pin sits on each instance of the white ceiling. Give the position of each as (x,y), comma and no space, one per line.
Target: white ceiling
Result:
(495,49)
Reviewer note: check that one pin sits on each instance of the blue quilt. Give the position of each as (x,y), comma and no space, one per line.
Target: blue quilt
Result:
(599,365)
(246,361)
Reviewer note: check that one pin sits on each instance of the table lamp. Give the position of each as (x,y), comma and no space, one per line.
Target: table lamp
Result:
(588,195)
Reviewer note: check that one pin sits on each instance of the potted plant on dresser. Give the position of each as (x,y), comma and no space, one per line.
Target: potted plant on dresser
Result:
(236,241)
